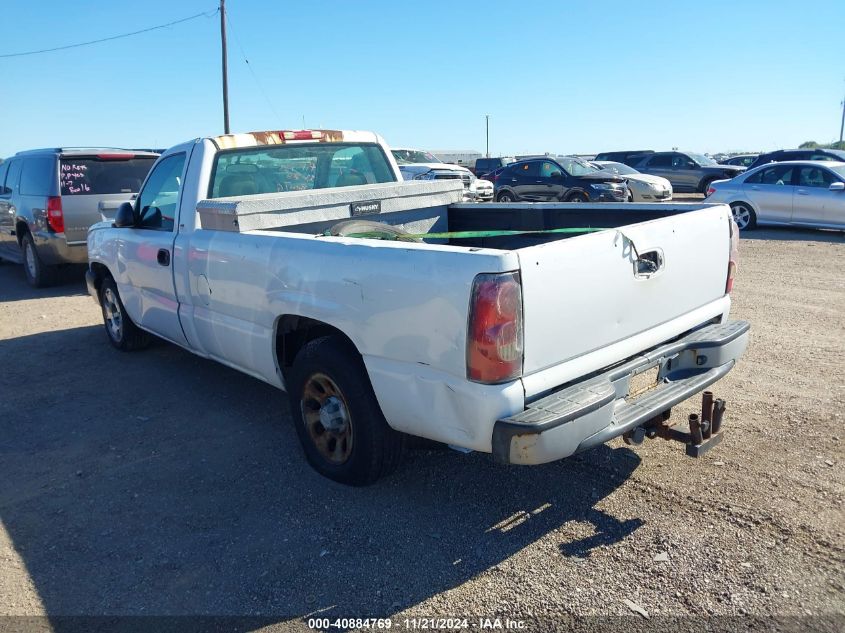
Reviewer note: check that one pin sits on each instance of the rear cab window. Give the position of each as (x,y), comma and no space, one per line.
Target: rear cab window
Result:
(103,174)
(298,167)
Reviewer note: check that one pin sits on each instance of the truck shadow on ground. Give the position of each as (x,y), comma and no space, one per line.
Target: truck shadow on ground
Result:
(160,483)
(13,285)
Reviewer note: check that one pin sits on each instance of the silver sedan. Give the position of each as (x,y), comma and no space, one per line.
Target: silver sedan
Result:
(794,193)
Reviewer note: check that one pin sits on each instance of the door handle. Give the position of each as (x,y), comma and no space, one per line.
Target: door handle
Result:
(755,188)
(163,257)
(649,263)
(803,192)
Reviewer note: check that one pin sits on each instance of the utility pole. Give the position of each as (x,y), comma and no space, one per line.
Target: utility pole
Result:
(225,67)
(842,125)
(487,119)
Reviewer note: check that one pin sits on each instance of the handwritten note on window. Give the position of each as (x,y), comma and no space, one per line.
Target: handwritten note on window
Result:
(74,177)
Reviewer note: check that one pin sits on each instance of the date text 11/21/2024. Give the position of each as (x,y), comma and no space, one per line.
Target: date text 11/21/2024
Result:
(479,623)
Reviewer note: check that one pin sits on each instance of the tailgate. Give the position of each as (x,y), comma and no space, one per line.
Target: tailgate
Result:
(94,185)
(82,211)
(584,293)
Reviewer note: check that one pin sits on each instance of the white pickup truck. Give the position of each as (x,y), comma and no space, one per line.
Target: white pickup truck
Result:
(490,328)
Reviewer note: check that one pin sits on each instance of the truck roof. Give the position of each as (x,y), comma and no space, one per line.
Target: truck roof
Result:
(282,137)
(80,151)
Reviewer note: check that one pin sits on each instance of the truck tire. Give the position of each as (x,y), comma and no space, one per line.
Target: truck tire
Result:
(122,332)
(338,420)
(506,196)
(578,196)
(706,185)
(38,274)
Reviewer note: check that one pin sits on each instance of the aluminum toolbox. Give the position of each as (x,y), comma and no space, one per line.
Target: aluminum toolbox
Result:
(407,202)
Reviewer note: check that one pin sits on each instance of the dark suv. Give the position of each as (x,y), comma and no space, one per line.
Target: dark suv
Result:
(798,154)
(627,157)
(486,165)
(688,172)
(49,198)
(562,179)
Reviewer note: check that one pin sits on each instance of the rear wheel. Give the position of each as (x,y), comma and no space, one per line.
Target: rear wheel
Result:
(744,216)
(38,274)
(122,332)
(338,420)
(506,196)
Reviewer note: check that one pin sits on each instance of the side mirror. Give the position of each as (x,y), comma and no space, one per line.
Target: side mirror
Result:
(125,216)
(837,186)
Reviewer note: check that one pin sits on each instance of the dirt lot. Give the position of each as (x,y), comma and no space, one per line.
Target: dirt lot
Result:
(160,483)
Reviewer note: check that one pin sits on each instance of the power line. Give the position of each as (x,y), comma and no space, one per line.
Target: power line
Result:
(252,70)
(114,37)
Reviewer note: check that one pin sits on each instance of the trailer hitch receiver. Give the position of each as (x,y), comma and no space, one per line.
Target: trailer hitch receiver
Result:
(705,430)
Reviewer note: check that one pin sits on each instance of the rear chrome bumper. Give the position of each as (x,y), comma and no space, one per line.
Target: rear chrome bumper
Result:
(586,414)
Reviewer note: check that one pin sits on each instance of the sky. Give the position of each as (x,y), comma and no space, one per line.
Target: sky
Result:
(559,76)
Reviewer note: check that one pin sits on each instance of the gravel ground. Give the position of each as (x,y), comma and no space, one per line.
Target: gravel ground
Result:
(161,483)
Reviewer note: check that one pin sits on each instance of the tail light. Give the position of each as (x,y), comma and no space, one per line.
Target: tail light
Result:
(734,257)
(55,217)
(302,135)
(494,337)
(710,191)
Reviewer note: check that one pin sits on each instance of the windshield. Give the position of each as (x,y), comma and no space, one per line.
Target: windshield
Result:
(576,166)
(702,160)
(618,168)
(411,156)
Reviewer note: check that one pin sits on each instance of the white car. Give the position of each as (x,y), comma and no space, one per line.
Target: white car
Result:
(807,193)
(483,189)
(642,187)
(416,164)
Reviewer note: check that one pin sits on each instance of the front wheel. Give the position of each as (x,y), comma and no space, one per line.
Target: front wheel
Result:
(578,197)
(122,331)
(744,216)
(506,196)
(338,419)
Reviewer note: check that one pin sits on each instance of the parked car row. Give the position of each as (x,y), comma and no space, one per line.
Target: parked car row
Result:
(415,164)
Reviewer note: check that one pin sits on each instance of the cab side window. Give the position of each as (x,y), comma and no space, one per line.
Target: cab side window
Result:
(679,161)
(13,177)
(527,170)
(814,177)
(3,168)
(547,170)
(662,161)
(159,200)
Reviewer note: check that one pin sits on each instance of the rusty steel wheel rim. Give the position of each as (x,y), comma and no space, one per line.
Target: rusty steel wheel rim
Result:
(327,419)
